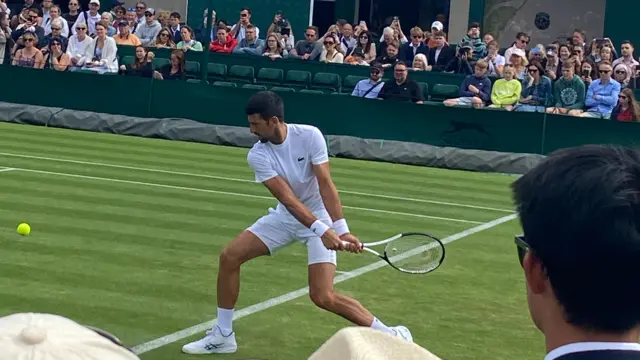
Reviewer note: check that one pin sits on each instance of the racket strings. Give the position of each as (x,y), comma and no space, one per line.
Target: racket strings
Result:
(415,253)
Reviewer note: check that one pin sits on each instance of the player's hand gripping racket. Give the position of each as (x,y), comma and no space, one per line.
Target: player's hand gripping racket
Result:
(413,253)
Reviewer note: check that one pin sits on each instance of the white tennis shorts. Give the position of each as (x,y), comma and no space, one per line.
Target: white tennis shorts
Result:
(277,231)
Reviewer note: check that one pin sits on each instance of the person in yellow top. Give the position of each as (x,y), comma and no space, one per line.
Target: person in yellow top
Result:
(124,35)
(506,91)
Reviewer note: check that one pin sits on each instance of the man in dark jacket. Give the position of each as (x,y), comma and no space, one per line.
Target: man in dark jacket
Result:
(416,46)
(580,249)
(440,56)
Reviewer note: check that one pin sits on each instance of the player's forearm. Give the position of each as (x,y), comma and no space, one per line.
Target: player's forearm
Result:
(331,200)
(299,211)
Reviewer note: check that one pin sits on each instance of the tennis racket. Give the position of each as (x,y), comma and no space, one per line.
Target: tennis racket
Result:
(411,252)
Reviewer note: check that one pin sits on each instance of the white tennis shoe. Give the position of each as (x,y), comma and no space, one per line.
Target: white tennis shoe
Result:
(402,332)
(213,343)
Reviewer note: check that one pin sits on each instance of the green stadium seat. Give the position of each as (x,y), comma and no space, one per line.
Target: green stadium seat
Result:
(224,84)
(350,81)
(216,71)
(441,92)
(269,76)
(241,74)
(341,93)
(425,90)
(126,60)
(326,82)
(298,79)
(160,62)
(313,92)
(192,68)
(196,81)
(254,87)
(282,89)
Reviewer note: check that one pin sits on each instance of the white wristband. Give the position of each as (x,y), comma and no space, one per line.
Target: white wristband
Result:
(340,227)
(319,228)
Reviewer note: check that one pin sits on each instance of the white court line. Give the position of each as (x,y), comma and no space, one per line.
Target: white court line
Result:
(182,334)
(250,181)
(237,194)
(6,169)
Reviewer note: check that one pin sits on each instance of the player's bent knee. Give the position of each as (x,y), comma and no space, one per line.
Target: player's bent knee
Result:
(323,299)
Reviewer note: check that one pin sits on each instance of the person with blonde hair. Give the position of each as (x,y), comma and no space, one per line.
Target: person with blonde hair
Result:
(506,92)
(414,47)
(420,63)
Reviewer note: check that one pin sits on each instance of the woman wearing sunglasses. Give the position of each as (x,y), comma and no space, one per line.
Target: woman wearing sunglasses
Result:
(164,40)
(55,58)
(29,56)
(101,55)
(627,108)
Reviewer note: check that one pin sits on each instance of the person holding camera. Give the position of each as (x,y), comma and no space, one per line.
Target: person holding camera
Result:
(239,30)
(475,41)
(282,26)
(461,64)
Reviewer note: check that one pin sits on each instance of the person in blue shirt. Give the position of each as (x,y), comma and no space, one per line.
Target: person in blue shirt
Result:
(602,95)
(536,90)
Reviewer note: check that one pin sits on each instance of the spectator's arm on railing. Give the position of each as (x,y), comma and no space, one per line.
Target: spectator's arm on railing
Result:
(485,93)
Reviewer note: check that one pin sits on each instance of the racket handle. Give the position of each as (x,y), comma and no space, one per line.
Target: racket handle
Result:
(346,244)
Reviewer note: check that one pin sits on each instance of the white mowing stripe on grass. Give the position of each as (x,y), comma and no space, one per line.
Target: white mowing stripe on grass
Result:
(185,333)
(236,194)
(6,169)
(250,181)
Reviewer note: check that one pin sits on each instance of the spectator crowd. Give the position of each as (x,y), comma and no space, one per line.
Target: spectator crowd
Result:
(576,77)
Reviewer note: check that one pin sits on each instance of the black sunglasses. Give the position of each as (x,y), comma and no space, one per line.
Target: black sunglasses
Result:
(522,247)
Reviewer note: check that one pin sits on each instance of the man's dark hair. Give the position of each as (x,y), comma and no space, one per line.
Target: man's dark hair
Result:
(474,25)
(580,212)
(626,42)
(266,103)
(175,15)
(247,9)
(521,34)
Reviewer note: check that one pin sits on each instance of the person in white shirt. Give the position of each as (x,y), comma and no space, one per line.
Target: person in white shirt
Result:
(91,18)
(78,44)
(580,250)
(293,163)
(54,13)
(239,30)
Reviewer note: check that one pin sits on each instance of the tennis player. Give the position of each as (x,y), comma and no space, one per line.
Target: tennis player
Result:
(293,163)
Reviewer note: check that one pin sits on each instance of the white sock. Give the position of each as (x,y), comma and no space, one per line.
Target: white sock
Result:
(378,325)
(225,321)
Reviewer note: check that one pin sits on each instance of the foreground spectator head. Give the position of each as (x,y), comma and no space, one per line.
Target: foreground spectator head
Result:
(622,74)
(141,7)
(174,20)
(164,40)
(94,6)
(579,37)
(627,100)
(522,40)
(518,58)
(131,15)
(347,30)
(437,26)
(56,25)
(488,38)
(438,38)
(564,51)
(588,70)
(120,12)
(221,35)
(187,33)
(419,62)
(376,72)
(250,33)
(481,68)
(605,70)
(245,16)
(537,53)
(30,336)
(400,72)
(579,252)
(606,54)
(150,16)
(392,49)
(568,70)
(388,34)
(123,28)
(365,39)
(417,36)
(509,73)
(627,49)
(311,34)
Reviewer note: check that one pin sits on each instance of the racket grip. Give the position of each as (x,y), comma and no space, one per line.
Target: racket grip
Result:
(345,244)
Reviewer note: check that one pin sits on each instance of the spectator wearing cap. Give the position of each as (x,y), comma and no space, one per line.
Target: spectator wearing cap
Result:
(250,45)
(390,58)
(553,64)
(101,55)
(224,42)
(56,32)
(174,26)
(473,38)
(239,29)
(416,46)
(420,63)
(188,43)
(461,63)
(124,36)
(475,89)
(536,92)
(401,88)
(72,15)
(78,43)
(304,48)
(602,95)
(29,56)
(441,55)
(356,58)
(148,31)
(568,91)
(436,27)
(30,25)
(370,88)
(30,336)
(54,14)
(132,19)
(107,20)
(626,49)
(519,61)
(522,40)
(91,18)
(55,58)
(494,59)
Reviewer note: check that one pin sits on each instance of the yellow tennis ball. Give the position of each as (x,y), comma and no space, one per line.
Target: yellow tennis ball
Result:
(24,229)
